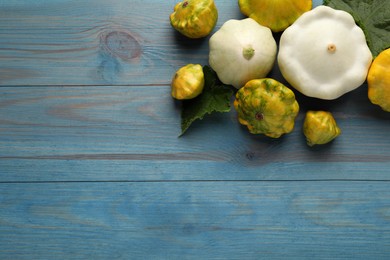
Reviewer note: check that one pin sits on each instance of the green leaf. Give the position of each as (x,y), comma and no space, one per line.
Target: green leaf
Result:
(373,16)
(215,97)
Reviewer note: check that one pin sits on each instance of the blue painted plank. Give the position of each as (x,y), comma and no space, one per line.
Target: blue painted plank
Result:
(131,133)
(116,42)
(195,220)
(97,170)
(70,43)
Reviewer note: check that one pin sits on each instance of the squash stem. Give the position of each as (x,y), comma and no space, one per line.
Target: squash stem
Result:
(331,48)
(248,52)
(259,116)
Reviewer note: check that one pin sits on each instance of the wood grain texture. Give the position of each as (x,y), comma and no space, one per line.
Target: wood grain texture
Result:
(196,220)
(115,42)
(91,166)
(122,42)
(131,133)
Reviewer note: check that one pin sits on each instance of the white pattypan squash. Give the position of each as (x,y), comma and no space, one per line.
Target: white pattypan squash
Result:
(242,50)
(324,54)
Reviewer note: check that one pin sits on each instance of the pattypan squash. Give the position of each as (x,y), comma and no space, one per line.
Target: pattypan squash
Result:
(188,82)
(242,50)
(267,107)
(320,127)
(324,54)
(194,18)
(378,81)
(275,14)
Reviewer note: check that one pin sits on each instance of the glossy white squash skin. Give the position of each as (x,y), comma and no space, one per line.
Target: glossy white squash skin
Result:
(242,50)
(324,54)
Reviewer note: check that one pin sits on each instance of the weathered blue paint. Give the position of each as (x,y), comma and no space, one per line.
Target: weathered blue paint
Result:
(91,166)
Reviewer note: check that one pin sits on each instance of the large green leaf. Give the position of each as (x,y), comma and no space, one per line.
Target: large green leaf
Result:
(216,97)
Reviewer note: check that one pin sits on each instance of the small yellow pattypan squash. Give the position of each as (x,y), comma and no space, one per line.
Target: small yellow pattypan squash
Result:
(378,80)
(319,127)
(188,82)
(324,54)
(266,107)
(194,18)
(242,50)
(275,14)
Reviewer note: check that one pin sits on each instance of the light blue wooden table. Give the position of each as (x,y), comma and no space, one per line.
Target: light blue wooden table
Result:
(91,166)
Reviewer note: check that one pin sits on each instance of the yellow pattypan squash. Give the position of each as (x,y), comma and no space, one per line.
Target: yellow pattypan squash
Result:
(378,80)
(188,82)
(266,107)
(319,127)
(194,18)
(274,14)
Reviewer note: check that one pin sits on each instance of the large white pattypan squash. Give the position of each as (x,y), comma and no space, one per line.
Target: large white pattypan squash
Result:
(324,54)
(242,50)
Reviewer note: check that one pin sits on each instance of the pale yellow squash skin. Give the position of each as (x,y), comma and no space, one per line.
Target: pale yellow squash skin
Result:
(378,80)
(320,127)
(274,14)
(188,82)
(194,18)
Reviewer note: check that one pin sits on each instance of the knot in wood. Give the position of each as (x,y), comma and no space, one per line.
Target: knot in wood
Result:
(121,44)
